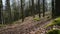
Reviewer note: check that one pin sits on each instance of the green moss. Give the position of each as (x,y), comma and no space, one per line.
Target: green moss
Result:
(50,24)
(2,25)
(36,18)
(54,22)
(56,31)
(57,21)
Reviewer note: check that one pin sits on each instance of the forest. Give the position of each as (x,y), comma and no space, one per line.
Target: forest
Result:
(29,17)
(12,10)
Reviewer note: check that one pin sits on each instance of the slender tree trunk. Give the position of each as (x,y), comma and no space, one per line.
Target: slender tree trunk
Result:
(30,7)
(8,9)
(53,9)
(22,10)
(33,8)
(0,11)
(36,6)
(43,8)
(19,8)
(39,7)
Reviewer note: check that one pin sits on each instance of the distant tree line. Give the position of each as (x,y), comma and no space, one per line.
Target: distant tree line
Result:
(20,10)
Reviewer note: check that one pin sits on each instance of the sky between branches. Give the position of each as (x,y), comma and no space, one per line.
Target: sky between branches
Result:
(48,1)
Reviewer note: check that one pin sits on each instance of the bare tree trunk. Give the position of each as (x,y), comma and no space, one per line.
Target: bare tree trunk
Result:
(0,11)
(43,8)
(19,8)
(39,7)
(33,8)
(22,10)
(8,9)
(30,7)
(53,8)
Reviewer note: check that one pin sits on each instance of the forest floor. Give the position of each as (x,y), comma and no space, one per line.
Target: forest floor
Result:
(29,26)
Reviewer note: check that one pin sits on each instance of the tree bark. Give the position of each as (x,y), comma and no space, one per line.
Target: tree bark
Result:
(22,10)
(57,7)
(39,7)
(0,10)
(53,9)
(8,9)
(43,8)
(33,8)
